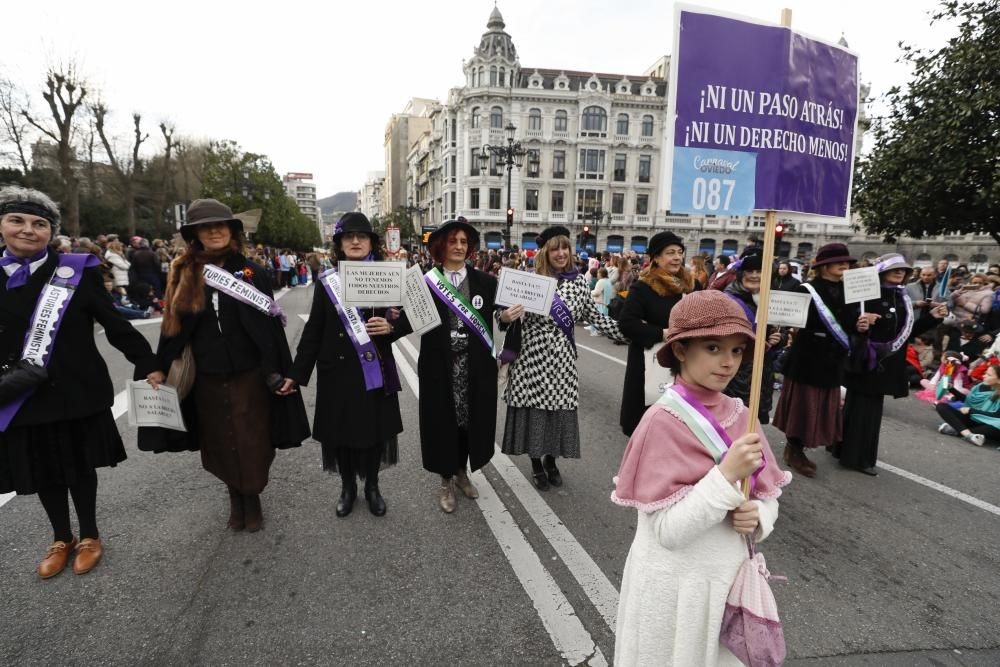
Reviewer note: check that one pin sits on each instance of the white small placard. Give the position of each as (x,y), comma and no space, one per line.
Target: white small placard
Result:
(154,407)
(392,239)
(418,302)
(788,309)
(862,285)
(364,284)
(531,290)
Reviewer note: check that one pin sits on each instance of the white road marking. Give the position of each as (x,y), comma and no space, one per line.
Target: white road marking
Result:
(947,490)
(570,638)
(601,354)
(596,585)
(5,498)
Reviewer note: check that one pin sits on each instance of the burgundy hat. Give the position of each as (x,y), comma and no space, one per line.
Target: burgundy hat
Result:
(833,253)
(703,314)
(459,223)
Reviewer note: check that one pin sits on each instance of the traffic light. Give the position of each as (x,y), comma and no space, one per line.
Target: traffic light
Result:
(510,215)
(585,236)
(779,229)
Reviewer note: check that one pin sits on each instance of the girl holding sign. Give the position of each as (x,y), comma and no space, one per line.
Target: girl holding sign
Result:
(542,392)
(681,471)
(221,315)
(456,367)
(56,425)
(357,417)
(808,411)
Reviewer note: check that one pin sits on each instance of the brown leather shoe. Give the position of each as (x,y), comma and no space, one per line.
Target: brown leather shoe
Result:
(798,462)
(56,558)
(88,555)
(463,482)
(447,496)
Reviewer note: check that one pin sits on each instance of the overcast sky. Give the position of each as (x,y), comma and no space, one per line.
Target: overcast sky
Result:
(312,84)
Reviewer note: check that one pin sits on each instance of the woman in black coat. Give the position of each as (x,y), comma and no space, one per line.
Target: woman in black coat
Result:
(233,414)
(54,442)
(356,426)
(458,372)
(645,316)
(808,410)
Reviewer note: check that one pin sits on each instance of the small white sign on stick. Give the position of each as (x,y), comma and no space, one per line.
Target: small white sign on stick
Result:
(418,303)
(862,285)
(365,284)
(531,290)
(788,309)
(392,240)
(154,407)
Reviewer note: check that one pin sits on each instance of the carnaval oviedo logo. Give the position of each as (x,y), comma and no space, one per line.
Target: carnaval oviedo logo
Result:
(714,165)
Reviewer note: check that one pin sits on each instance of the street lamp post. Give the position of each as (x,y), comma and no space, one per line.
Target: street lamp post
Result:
(508,156)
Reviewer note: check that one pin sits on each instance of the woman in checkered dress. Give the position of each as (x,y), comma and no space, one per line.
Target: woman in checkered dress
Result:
(542,392)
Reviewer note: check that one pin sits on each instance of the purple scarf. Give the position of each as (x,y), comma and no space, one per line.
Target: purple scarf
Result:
(20,277)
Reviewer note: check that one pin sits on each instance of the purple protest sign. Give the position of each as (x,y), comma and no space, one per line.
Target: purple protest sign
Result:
(758,108)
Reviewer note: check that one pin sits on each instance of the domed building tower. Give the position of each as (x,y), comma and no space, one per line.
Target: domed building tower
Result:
(494,63)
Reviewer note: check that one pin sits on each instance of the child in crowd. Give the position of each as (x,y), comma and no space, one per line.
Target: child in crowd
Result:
(948,382)
(122,304)
(978,417)
(681,471)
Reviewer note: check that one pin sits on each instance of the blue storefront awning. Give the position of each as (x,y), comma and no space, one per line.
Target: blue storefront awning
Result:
(639,247)
(529,244)
(616,246)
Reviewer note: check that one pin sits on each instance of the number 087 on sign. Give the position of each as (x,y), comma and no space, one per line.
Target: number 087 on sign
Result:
(713,182)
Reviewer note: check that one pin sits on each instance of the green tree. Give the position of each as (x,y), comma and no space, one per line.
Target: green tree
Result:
(935,164)
(244,181)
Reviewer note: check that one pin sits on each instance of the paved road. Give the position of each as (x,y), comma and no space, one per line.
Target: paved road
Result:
(898,570)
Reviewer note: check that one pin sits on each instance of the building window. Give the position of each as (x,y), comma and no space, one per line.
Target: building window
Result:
(619,174)
(617,203)
(730,247)
(474,163)
(503,77)
(454,166)
(591,163)
(495,199)
(621,127)
(559,164)
(534,163)
(595,119)
(639,243)
(557,201)
(707,247)
(642,204)
(535,119)
(562,121)
(493,76)
(475,118)
(494,165)
(482,76)
(805,251)
(589,201)
(531,200)
(616,243)
(453,131)
(496,117)
(474,198)
(645,167)
(453,196)
(647,126)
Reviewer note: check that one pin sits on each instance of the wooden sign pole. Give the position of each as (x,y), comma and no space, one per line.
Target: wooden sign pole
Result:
(760,345)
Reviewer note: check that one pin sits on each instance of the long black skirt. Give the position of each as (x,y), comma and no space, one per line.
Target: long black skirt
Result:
(862,425)
(58,453)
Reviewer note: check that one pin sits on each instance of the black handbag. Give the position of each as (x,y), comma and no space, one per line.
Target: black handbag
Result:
(18,378)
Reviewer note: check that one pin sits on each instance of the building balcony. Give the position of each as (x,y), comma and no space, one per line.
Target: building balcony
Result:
(560,135)
(532,215)
(622,138)
(618,219)
(643,221)
(534,134)
(680,222)
(557,216)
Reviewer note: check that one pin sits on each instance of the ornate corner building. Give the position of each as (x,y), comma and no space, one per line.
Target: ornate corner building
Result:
(595,144)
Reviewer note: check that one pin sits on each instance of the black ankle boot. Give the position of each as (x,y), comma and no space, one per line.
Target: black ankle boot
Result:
(347,497)
(376,504)
(551,471)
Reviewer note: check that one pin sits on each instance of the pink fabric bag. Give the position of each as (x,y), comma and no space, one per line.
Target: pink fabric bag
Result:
(751,628)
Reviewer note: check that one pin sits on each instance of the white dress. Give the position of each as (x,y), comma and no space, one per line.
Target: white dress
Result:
(679,570)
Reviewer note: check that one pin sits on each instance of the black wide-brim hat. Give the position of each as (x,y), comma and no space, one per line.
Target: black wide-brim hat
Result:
(208,212)
(354,222)
(458,223)
(550,233)
(661,240)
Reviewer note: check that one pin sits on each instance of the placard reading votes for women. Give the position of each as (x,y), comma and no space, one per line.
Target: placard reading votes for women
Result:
(371,283)
(759,117)
(531,290)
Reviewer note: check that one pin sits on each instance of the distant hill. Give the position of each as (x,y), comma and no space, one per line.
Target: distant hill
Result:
(342,201)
